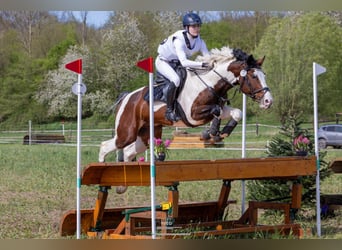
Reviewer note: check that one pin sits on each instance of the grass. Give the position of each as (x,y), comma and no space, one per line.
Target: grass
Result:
(38,185)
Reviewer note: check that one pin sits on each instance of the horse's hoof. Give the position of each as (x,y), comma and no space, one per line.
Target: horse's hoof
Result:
(205,135)
(121,189)
(217,138)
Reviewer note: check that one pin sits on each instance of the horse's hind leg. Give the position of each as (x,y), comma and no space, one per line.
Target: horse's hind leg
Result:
(133,149)
(106,147)
(129,153)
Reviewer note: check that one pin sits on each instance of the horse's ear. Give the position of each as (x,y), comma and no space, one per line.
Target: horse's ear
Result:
(250,60)
(260,61)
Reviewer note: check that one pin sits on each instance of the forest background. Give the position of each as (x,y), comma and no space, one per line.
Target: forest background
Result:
(36,45)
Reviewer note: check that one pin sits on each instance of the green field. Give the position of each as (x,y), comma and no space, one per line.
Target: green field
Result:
(38,184)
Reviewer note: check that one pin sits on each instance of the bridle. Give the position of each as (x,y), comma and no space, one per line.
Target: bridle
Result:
(243,79)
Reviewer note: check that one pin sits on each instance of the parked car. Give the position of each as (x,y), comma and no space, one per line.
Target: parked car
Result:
(330,135)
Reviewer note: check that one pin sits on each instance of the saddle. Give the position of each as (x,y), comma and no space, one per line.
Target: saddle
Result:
(161,83)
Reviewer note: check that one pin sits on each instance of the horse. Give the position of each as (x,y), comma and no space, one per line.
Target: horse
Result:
(202,99)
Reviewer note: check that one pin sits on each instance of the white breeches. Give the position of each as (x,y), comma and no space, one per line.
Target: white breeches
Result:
(166,70)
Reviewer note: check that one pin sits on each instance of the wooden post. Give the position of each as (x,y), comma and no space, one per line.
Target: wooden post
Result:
(223,198)
(99,207)
(173,197)
(296,195)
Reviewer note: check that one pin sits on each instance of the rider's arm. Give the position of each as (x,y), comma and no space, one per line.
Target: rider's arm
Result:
(180,51)
(204,49)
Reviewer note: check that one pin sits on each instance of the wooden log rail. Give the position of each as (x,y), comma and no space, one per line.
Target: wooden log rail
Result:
(170,173)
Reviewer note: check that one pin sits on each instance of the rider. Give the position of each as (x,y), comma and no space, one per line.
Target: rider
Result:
(180,46)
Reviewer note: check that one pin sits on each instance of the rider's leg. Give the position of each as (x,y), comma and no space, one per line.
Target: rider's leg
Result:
(166,70)
(170,102)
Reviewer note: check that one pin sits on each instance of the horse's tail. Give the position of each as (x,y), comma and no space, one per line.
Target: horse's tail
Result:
(118,101)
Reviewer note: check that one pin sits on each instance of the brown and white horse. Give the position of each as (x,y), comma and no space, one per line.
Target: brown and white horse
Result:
(203,97)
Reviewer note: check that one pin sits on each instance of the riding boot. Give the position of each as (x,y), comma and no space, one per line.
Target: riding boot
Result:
(228,129)
(170,102)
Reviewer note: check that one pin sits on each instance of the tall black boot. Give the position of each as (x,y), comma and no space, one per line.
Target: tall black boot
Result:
(170,102)
(228,129)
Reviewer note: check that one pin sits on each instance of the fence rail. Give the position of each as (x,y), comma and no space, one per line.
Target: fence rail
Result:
(93,137)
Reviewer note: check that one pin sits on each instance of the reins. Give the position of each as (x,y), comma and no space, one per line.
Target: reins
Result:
(211,89)
(245,80)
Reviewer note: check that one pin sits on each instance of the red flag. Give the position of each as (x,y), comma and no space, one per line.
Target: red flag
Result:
(75,66)
(146,64)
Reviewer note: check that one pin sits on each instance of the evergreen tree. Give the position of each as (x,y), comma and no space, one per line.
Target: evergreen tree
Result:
(282,145)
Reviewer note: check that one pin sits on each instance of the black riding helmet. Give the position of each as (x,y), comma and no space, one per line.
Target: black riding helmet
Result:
(191,19)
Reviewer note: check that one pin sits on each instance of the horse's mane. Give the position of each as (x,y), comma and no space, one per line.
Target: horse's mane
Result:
(223,54)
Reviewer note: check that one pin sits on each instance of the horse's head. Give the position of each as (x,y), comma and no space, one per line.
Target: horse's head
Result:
(252,79)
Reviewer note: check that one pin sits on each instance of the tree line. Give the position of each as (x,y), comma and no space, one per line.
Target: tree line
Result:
(36,45)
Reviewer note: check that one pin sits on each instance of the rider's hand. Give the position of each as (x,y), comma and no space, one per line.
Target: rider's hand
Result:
(206,65)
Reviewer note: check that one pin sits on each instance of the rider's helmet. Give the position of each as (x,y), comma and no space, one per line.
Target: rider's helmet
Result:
(191,19)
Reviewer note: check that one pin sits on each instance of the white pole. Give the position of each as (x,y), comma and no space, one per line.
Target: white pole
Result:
(78,181)
(152,160)
(63,128)
(243,153)
(30,131)
(317,70)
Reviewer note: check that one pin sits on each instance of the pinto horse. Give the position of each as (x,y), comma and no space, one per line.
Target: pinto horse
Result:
(202,98)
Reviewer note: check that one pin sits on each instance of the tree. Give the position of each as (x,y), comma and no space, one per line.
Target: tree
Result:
(283,145)
(291,45)
(56,94)
(123,46)
(27,23)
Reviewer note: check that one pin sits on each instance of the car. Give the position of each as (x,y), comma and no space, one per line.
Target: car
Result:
(330,135)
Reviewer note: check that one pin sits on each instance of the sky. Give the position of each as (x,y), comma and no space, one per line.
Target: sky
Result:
(97,18)
(94,18)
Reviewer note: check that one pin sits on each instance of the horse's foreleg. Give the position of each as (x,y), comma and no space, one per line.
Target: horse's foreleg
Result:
(105,148)
(228,129)
(214,130)
(235,116)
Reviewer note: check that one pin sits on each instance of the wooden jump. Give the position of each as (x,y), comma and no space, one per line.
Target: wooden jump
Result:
(112,223)
(43,138)
(182,139)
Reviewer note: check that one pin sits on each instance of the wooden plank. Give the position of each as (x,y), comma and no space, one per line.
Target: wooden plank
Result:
(112,217)
(283,229)
(169,172)
(331,199)
(336,165)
